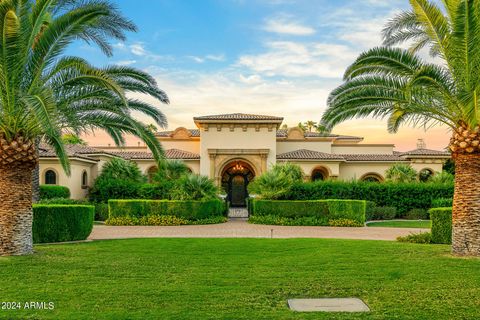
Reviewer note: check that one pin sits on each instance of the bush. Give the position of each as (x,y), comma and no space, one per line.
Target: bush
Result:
(105,189)
(442,203)
(158,191)
(417,214)
(323,210)
(152,220)
(194,187)
(441,225)
(170,170)
(54,192)
(60,223)
(423,238)
(401,173)
(442,177)
(344,223)
(63,201)
(188,210)
(277,182)
(120,169)
(383,213)
(284,221)
(403,196)
(101,211)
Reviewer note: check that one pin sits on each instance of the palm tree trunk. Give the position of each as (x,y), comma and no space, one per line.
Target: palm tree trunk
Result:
(466,205)
(15,210)
(36,177)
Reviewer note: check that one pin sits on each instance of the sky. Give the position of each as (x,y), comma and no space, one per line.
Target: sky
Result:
(272,57)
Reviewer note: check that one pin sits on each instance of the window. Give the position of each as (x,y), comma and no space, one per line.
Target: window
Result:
(319,174)
(372,177)
(425,175)
(84,179)
(50,177)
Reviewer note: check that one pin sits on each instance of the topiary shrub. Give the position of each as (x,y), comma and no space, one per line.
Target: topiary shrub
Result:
(417,214)
(441,225)
(322,210)
(442,203)
(383,213)
(54,192)
(188,210)
(60,223)
(63,201)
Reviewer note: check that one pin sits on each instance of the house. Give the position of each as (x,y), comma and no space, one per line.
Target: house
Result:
(233,149)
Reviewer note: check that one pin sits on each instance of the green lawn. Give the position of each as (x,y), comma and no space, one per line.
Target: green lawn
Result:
(400,224)
(240,279)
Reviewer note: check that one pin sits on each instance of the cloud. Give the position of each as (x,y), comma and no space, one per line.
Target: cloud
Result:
(125,62)
(211,57)
(284,25)
(138,49)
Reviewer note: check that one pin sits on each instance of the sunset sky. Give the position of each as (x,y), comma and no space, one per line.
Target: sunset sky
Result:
(273,57)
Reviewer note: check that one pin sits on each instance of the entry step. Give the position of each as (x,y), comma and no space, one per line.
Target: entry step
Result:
(238,213)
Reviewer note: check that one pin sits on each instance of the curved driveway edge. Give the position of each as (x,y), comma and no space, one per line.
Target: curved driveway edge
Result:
(242,229)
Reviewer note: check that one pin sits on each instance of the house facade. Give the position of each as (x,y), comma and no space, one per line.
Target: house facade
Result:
(233,149)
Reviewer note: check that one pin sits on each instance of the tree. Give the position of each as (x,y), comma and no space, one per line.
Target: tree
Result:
(310,125)
(276,182)
(401,173)
(44,93)
(171,170)
(399,85)
(71,138)
(120,169)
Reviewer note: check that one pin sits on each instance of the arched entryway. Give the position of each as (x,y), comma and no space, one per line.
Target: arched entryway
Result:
(319,173)
(235,178)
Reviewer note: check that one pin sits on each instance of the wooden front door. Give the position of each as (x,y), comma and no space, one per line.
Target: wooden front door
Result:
(238,191)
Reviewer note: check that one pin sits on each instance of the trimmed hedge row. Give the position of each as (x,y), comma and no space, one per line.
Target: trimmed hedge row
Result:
(189,210)
(323,210)
(119,189)
(403,196)
(441,225)
(54,192)
(60,223)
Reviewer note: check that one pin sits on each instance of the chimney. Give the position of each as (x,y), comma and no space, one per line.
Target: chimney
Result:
(421,144)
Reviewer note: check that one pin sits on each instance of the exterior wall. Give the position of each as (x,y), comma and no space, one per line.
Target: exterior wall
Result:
(356,170)
(363,149)
(74,182)
(284,146)
(333,168)
(186,145)
(236,139)
(435,165)
(145,165)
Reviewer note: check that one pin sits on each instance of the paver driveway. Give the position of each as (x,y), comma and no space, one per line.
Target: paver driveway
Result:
(241,229)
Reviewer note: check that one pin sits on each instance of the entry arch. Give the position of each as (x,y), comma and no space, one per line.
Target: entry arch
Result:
(235,175)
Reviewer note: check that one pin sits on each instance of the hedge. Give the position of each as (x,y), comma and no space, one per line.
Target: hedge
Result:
(442,203)
(105,190)
(441,225)
(189,209)
(323,210)
(60,223)
(52,192)
(403,196)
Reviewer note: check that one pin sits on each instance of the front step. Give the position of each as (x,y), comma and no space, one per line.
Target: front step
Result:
(238,213)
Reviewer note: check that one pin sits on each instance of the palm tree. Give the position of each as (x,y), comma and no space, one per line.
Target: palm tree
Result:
(44,93)
(399,85)
(401,173)
(310,125)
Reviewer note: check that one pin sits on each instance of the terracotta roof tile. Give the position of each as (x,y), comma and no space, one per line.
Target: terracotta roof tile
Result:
(169,154)
(304,154)
(373,157)
(426,152)
(238,116)
(193,132)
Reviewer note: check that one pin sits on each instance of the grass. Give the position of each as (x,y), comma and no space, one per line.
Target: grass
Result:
(239,279)
(400,224)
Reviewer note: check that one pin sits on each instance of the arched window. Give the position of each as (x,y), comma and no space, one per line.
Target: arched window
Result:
(50,177)
(319,174)
(425,174)
(151,173)
(84,179)
(371,177)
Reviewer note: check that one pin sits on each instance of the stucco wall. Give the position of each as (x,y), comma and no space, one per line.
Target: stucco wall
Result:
(74,182)
(145,165)
(333,168)
(354,171)
(237,139)
(287,146)
(186,145)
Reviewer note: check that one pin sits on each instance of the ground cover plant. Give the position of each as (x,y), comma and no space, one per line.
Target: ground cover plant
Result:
(240,279)
(400,224)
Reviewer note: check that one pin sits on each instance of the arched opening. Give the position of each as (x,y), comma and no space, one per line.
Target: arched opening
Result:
(151,172)
(425,174)
(50,177)
(371,177)
(84,179)
(319,174)
(236,176)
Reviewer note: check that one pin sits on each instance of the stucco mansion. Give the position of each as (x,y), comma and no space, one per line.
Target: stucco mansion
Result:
(234,148)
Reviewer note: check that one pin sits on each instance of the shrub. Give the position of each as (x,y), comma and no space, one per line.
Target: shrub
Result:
(120,169)
(59,223)
(101,211)
(63,201)
(323,210)
(344,223)
(188,210)
(158,191)
(194,187)
(212,220)
(400,172)
(277,182)
(442,203)
(106,189)
(369,207)
(170,170)
(442,177)
(423,238)
(417,214)
(54,192)
(284,221)
(441,225)
(403,196)
(383,213)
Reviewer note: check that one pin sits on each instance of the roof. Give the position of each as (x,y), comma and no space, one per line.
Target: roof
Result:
(373,157)
(283,133)
(426,152)
(304,154)
(238,116)
(169,154)
(193,132)
(73,151)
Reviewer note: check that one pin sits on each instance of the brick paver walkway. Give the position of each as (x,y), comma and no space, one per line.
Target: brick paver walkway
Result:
(239,228)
